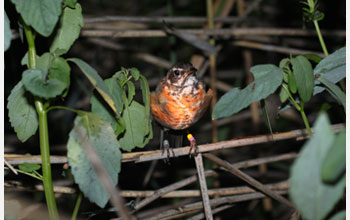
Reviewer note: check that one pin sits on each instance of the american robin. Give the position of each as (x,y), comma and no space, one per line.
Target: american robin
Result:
(180,99)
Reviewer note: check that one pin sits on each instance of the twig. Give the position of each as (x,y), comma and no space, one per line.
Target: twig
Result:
(203,186)
(217,210)
(248,179)
(140,19)
(214,202)
(211,32)
(172,187)
(157,154)
(10,167)
(116,200)
(273,48)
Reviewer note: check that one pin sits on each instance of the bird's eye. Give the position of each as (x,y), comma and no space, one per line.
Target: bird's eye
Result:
(176,72)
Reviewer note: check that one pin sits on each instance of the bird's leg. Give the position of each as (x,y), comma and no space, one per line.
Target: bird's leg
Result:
(193,146)
(165,146)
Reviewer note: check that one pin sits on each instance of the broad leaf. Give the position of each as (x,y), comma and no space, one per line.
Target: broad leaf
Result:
(135,120)
(7,32)
(334,90)
(314,198)
(42,15)
(60,70)
(135,73)
(334,164)
(34,81)
(22,114)
(115,103)
(43,62)
(70,25)
(100,136)
(283,95)
(131,92)
(339,216)
(101,108)
(146,101)
(331,68)
(304,78)
(29,167)
(267,79)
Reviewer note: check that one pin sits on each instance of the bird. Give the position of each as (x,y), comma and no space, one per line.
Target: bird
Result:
(179,101)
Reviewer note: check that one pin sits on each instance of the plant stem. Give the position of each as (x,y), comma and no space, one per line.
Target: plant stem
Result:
(43,132)
(303,115)
(79,112)
(323,45)
(77,206)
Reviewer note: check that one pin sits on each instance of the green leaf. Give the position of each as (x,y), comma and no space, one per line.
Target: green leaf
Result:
(101,108)
(29,167)
(283,95)
(34,82)
(267,79)
(135,73)
(115,103)
(60,70)
(12,209)
(334,164)
(331,68)
(70,3)
(335,91)
(313,57)
(304,78)
(131,92)
(135,120)
(7,32)
(313,198)
(291,83)
(100,136)
(339,216)
(22,113)
(69,30)
(42,15)
(43,62)
(146,98)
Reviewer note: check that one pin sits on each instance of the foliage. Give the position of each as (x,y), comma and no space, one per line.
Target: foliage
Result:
(313,197)
(120,122)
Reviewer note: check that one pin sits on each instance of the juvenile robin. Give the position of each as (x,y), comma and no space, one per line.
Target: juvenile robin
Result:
(180,100)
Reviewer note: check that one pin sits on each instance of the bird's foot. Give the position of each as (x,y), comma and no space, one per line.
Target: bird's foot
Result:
(165,147)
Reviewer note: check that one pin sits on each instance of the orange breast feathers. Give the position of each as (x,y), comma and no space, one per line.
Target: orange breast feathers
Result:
(179,111)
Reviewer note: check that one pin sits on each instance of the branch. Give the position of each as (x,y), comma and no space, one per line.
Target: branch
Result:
(203,186)
(190,208)
(144,156)
(273,48)
(248,179)
(222,32)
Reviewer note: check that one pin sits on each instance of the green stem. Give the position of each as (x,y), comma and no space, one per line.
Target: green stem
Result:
(28,174)
(291,99)
(77,206)
(79,112)
(43,132)
(45,158)
(306,122)
(323,45)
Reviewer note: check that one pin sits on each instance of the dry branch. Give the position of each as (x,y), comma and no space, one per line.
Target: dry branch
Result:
(203,186)
(141,19)
(211,32)
(190,208)
(273,48)
(256,184)
(144,156)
